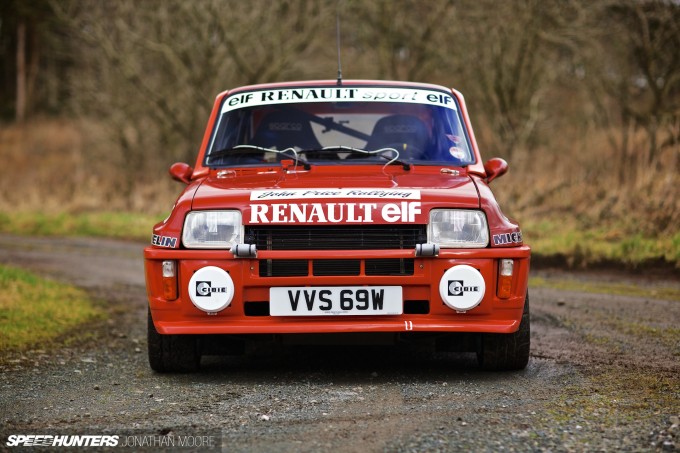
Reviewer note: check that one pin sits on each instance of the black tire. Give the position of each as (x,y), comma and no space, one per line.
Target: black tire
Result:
(172,353)
(507,352)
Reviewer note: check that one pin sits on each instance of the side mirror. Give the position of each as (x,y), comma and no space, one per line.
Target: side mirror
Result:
(494,168)
(181,172)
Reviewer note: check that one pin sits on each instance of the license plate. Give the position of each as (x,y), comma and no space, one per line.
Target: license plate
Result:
(330,301)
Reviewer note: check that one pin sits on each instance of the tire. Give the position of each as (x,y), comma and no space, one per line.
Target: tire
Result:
(507,352)
(172,353)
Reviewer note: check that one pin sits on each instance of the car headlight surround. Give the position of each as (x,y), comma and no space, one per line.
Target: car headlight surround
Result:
(212,229)
(458,228)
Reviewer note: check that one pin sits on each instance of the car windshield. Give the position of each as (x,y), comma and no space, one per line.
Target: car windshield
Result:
(339,126)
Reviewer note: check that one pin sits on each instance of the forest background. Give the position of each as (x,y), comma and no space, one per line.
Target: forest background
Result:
(98,98)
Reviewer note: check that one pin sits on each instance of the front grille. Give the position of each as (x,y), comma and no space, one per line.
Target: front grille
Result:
(403,266)
(373,237)
(256,308)
(325,267)
(283,268)
(336,267)
(416,307)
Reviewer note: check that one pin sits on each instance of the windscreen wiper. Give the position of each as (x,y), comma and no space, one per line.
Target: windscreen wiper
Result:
(249,149)
(377,152)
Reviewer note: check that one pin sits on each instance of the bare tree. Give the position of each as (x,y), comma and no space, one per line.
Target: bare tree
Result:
(403,38)
(634,78)
(510,55)
(27,43)
(150,70)
(546,80)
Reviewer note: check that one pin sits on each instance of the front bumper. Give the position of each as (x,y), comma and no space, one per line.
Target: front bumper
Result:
(492,315)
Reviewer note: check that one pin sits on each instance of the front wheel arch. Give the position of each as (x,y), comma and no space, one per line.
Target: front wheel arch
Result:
(507,352)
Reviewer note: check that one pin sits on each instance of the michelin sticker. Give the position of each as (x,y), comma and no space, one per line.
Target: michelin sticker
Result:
(211,289)
(163,241)
(462,287)
(507,238)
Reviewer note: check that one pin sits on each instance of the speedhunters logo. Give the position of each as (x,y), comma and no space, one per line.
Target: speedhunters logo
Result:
(205,289)
(458,288)
(39,440)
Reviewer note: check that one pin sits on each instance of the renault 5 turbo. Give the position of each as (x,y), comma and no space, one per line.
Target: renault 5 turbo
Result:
(323,210)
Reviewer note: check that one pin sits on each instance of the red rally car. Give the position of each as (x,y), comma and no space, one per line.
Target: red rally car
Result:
(323,210)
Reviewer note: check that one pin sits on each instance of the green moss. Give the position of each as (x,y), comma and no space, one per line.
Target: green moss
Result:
(35,311)
(614,397)
(668,336)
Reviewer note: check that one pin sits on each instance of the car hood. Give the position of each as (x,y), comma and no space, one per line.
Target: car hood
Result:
(234,189)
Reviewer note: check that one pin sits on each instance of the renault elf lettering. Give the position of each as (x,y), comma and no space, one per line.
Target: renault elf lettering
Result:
(320,210)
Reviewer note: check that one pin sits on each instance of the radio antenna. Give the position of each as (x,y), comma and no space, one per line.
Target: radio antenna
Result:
(337,39)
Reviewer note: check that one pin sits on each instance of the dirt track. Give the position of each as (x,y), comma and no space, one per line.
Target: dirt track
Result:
(604,375)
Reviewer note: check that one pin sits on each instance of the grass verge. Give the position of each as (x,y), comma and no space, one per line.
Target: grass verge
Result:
(35,311)
(122,225)
(621,289)
(584,246)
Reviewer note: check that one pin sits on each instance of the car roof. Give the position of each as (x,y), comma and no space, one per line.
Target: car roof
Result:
(334,83)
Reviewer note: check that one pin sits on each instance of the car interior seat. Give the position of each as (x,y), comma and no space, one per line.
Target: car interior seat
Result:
(285,129)
(407,134)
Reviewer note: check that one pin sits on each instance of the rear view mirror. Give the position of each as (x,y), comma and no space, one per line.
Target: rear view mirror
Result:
(494,168)
(181,172)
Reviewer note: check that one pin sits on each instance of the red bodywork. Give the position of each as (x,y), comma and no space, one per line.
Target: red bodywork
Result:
(231,188)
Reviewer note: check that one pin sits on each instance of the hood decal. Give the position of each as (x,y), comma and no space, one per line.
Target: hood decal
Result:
(295,194)
(346,191)
(314,213)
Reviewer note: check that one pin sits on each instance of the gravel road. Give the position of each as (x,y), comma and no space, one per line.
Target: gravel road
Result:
(604,376)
